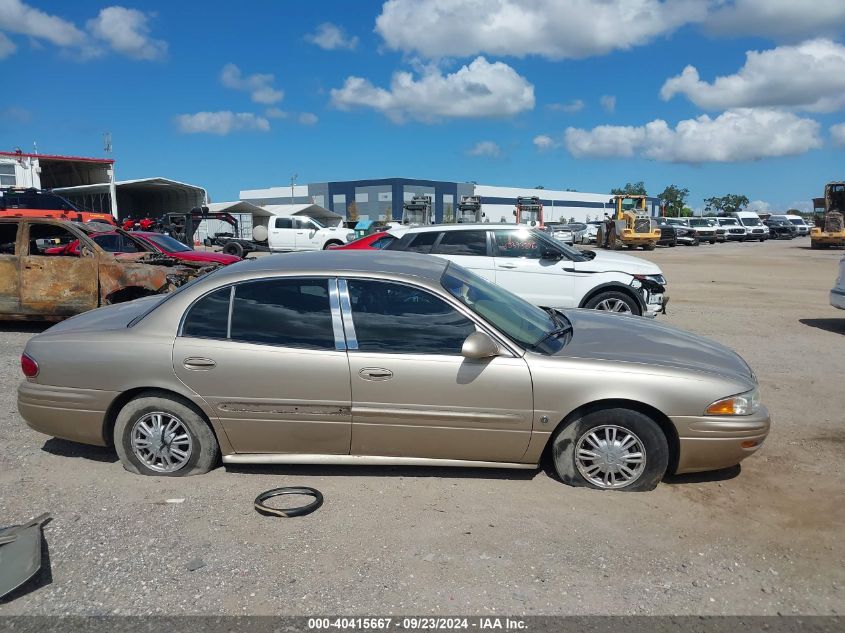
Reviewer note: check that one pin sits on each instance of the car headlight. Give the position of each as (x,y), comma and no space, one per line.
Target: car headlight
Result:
(658,279)
(741,404)
(350,237)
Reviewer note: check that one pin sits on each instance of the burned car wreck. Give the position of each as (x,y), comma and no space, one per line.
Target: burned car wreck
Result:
(53,269)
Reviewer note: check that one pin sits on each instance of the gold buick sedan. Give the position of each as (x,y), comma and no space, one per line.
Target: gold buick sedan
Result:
(387,358)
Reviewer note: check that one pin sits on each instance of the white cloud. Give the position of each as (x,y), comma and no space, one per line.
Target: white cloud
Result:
(127,32)
(837,133)
(550,28)
(307,118)
(260,86)
(543,142)
(7,46)
(478,90)
(275,113)
(608,103)
(485,148)
(221,123)
(783,19)
(737,135)
(760,206)
(571,107)
(331,37)
(809,76)
(18,17)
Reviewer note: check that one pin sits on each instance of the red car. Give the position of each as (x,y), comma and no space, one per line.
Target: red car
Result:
(120,242)
(374,242)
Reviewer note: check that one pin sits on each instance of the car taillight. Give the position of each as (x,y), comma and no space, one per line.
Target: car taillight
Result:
(29,366)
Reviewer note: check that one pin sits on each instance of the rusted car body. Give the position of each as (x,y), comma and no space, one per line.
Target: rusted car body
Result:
(40,286)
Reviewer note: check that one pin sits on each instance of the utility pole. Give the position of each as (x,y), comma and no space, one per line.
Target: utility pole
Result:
(292,184)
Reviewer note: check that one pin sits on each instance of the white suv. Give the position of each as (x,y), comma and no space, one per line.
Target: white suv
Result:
(542,270)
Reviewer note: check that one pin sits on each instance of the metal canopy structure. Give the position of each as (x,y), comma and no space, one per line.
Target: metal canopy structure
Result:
(311,210)
(145,197)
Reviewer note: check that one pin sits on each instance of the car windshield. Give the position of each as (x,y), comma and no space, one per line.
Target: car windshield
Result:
(797,222)
(751,221)
(167,243)
(529,326)
(575,227)
(571,253)
(728,222)
(700,222)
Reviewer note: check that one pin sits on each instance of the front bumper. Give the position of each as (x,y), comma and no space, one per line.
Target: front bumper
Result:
(69,413)
(837,298)
(714,442)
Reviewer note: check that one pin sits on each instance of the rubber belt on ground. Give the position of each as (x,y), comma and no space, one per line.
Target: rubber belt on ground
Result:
(288,512)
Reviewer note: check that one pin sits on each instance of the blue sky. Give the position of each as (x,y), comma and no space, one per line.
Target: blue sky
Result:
(506,92)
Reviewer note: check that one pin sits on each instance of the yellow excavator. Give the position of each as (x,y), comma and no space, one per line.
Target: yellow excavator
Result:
(829,213)
(631,225)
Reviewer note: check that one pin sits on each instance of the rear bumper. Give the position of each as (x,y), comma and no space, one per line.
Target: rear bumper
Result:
(711,442)
(69,413)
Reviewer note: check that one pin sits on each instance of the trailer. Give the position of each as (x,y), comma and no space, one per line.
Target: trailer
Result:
(417,211)
(529,210)
(469,210)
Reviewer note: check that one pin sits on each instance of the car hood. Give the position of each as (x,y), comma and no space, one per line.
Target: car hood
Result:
(205,256)
(603,336)
(607,261)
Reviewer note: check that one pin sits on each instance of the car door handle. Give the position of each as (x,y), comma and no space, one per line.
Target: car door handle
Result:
(199,363)
(375,373)
(507,265)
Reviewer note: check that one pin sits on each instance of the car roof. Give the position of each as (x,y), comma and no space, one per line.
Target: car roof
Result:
(466,227)
(343,261)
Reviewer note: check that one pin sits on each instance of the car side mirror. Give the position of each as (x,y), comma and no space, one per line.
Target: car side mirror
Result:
(551,254)
(479,345)
(85,251)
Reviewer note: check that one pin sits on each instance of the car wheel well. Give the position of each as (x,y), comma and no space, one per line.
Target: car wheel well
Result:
(128,293)
(127,396)
(332,243)
(613,288)
(656,415)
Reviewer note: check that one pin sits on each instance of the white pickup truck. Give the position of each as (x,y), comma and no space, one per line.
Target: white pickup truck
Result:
(288,233)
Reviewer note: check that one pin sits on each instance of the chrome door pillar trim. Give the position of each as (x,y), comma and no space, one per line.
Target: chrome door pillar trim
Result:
(337,319)
(346,310)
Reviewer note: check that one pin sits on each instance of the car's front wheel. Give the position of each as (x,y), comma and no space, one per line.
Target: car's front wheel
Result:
(614,301)
(611,449)
(157,435)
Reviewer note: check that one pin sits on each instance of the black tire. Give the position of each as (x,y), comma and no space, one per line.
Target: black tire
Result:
(332,243)
(644,429)
(204,452)
(234,248)
(612,296)
(695,242)
(673,243)
(649,247)
(712,242)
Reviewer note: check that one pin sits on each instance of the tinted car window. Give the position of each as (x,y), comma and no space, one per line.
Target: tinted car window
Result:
(462,243)
(8,237)
(398,319)
(383,242)
(209,317)
(287,312)
(111,243)
(422,242)
(517,244)
(283,223)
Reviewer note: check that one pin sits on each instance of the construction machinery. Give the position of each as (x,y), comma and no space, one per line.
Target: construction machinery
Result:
(469,210)
(828,215)
(417,211)
(529,210)
(630,226)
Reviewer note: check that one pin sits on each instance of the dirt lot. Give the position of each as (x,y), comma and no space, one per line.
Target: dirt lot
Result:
(763,539)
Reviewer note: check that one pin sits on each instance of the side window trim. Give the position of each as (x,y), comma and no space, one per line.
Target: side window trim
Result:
(337,318)
(346,310)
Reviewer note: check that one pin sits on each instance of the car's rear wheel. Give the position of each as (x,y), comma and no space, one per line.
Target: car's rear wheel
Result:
(611,449)
(234,248)
(614,301)
(159,436)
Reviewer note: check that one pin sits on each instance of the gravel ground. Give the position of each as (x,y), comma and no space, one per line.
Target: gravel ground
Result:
(765,538)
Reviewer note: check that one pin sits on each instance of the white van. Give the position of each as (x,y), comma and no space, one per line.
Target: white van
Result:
(798,222)
(754,227)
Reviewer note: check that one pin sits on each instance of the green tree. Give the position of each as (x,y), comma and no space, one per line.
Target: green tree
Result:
(727,204)
(686,212)
(674,200)
(631,189)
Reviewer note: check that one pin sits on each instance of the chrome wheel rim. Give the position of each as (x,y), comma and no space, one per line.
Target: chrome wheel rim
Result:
(161,442)
(613,305)
(610,457)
